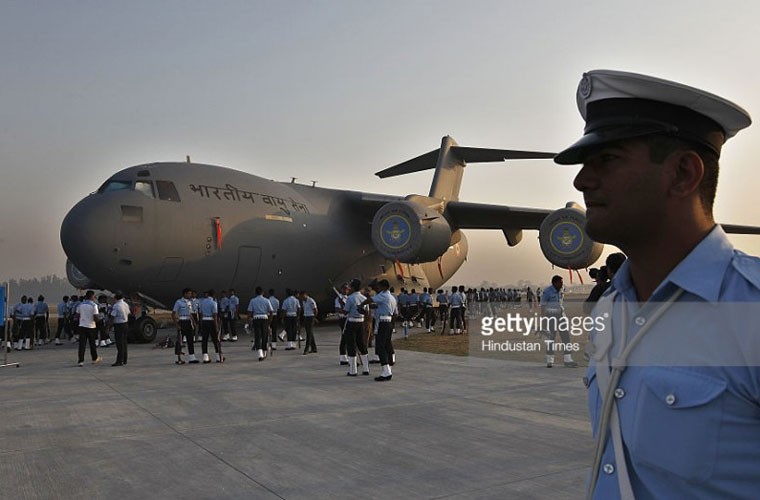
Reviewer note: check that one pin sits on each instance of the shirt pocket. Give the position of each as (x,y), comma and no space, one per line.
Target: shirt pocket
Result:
(678,422)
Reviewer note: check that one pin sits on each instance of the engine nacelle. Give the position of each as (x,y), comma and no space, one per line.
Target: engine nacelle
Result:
(409,232)
(564,241)
(78,279)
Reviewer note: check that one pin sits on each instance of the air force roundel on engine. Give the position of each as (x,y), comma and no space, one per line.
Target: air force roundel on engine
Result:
(395,231)
(566,238)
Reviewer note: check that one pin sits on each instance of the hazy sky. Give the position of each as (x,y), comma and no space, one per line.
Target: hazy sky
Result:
(334,91)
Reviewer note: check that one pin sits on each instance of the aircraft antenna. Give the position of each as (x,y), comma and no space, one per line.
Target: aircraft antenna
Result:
(187,158)
(293,180)
(313,183)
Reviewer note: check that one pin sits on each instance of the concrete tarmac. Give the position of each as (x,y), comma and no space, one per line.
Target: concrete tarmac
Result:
(291,427)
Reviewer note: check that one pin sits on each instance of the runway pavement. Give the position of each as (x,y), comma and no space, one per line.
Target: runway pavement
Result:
(291,427)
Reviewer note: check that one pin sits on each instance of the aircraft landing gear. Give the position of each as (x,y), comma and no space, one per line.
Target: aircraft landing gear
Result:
(144,330)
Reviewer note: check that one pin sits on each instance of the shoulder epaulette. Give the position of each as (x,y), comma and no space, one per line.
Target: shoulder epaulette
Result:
(748,266)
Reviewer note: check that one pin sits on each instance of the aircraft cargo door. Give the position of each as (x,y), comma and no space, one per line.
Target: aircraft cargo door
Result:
(247,271)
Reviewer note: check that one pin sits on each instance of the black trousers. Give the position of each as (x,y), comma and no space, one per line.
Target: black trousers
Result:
(61,327)
(40,327)
(355,338)
(186,330)
(342,346)
(26,330)
(552,335)
(308,324)
(259,333)
(87,335)
(273,326)
(120,331)
(429,314)
(291,326)
(456,318)
(208,329)
(383,346)
(225,323)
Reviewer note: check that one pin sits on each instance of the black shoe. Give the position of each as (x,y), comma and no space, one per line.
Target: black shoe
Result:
(179,362)
(365,373)
(344,363)
(383,379)
(305,353)
(549,365)
(118,364)
(193,362)
(313,351)
(374,361)
(351,374)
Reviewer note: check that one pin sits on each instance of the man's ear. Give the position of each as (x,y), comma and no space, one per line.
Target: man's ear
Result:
(687,171)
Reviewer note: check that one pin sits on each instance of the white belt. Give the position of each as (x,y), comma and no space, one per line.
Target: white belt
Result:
(25,318)
(260,316)
(455,307)
(208,318)
(356,320)
(292,315)
(386,319)
(184,318)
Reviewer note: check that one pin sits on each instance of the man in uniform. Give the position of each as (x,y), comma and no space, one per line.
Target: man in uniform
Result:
(62,319)
(87,316)
(41,319)
(234,308)
(457,303)
(182,316)
(224,314)
(310,313)
(274,320)
(196,313)
(354,329)
(260,310)
(553,310)
(681,426)
(385,304)
(26,328)
(71,309)
(118,317)
(210,327)
(291,306)
(443,308)
(340,301)
(426,302)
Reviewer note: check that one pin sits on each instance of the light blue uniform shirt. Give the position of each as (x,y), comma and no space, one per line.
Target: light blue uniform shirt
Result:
(27,311)
(183,307)
(352,305)
(456,300)
(426,299)
(259,306)
(689,431)
(61,309)
(196,305)
(403,300)
(234,304)
(309,307)
(386,304)
(291,305)
(209,308)
(552,303)
(275,303)
(442,299)
(120,312)
(224,304)
(41,309)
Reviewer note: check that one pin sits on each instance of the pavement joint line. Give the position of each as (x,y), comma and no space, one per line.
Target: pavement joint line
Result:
(188,438)
(513,481)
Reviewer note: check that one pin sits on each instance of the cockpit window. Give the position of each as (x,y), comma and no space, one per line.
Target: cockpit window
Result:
(167,191)
(145,187)
(115,186)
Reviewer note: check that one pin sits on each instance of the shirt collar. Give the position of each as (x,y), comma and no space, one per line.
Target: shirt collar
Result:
(700,273)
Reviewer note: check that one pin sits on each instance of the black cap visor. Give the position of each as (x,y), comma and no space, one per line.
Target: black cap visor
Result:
(593,140)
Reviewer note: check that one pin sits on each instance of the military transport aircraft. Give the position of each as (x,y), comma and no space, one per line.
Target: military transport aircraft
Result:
(153,229)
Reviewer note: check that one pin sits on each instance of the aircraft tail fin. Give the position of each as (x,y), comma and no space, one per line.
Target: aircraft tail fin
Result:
(449,162)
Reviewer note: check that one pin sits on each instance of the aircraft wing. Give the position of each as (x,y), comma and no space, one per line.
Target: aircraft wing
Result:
(465,215)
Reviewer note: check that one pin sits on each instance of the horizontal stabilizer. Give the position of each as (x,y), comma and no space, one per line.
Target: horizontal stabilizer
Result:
(429,160)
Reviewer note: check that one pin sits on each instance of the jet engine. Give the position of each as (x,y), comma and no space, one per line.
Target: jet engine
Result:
(78,279)
(564,241)
(410,232)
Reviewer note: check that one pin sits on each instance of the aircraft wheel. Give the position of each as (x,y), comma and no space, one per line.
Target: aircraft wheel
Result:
(145,330)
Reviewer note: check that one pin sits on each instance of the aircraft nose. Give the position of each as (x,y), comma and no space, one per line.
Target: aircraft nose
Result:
(86,235)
